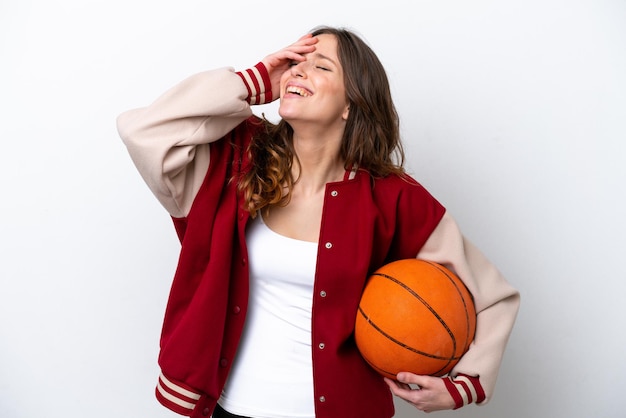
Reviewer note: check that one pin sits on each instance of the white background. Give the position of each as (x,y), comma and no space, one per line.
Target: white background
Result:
(513,113)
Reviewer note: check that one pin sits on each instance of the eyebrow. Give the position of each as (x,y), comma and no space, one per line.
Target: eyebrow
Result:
(322,56)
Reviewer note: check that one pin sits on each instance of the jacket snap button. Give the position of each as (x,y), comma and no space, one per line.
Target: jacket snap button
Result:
(323,293)
(334,193)
(329,245)
(321,346)
(322,399)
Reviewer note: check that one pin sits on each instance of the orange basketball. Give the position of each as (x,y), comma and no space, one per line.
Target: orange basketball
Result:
(414,316)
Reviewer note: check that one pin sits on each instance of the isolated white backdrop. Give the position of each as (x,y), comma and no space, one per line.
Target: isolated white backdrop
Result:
(513,113)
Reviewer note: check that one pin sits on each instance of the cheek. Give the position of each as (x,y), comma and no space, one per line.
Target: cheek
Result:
(283,81)
(339,94)
(337,88)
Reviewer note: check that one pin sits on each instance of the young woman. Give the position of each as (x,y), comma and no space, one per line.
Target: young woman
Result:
(281,225)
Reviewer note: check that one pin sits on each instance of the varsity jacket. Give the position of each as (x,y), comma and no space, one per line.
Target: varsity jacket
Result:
(190,147)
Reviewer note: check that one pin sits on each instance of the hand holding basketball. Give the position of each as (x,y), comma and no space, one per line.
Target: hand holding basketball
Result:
(429,396)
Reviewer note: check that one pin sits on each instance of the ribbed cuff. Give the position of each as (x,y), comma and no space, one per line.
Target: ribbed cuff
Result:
(464,389)
(176,396)
(258,83)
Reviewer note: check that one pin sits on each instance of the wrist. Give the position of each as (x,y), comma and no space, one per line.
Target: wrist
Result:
(258,83)
(464,389)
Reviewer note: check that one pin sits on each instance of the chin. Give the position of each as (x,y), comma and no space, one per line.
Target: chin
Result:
(286,113)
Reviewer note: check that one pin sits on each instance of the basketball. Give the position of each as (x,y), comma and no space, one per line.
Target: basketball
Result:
(414,316)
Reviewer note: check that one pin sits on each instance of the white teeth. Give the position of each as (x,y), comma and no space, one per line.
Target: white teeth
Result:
(298,91)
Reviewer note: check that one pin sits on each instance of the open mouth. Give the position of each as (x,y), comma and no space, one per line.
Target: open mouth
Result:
(299,91)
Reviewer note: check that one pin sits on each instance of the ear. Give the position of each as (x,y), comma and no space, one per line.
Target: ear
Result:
(346,112)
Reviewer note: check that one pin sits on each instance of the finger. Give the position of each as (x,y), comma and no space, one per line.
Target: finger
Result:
(415,379)
(303,45)
(300,49)
(420,399)
(308,38)
(399,389)
(291,53)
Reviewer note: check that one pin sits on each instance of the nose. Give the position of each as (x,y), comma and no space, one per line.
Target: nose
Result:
(298,70)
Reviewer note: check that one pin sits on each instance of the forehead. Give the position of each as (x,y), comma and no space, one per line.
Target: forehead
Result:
(327,45)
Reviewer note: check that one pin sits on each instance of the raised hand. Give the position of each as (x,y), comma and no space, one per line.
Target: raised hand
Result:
(280,61)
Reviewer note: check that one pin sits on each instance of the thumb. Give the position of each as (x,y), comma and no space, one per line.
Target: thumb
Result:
(413,379)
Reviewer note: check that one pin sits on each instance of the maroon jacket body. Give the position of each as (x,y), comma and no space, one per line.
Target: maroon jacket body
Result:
(366,222)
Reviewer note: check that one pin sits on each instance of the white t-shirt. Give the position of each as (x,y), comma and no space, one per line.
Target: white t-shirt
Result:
(272,376)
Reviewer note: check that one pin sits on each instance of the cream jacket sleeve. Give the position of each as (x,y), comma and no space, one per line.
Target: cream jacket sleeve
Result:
(168,140)
(496,301)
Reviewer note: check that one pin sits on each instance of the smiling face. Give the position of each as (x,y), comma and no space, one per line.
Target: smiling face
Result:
(314,90)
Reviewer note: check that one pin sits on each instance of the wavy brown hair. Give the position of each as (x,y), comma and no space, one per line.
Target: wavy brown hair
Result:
(371,140)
